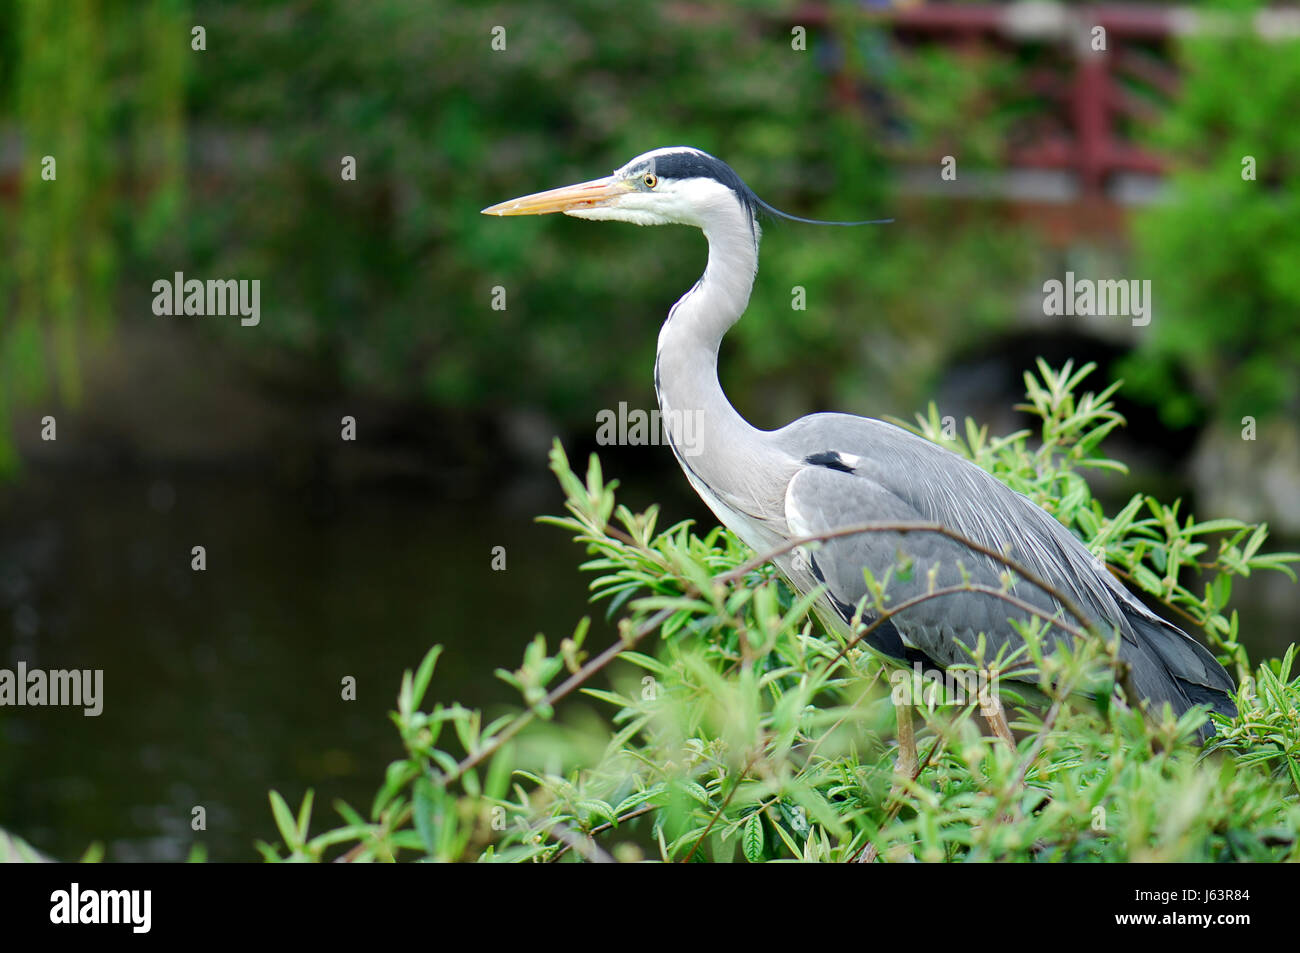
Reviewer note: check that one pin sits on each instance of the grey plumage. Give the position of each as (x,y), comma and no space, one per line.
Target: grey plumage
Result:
(898,476)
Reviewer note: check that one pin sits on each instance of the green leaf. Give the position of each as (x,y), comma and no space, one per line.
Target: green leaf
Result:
(752,839)
(597,808)
(423,675)
(424,806)
(284,821)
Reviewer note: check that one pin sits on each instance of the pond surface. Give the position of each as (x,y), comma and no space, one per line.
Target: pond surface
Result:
(221,684)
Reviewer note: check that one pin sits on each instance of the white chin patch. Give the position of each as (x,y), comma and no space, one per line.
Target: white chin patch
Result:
(635,216)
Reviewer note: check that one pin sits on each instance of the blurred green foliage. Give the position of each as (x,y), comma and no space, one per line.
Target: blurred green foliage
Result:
(226,162)
(1224,253)
(95,97)
(388,282)
(384,285)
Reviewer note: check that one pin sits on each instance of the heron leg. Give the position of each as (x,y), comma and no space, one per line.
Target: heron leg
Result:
(995,716)
(906,766)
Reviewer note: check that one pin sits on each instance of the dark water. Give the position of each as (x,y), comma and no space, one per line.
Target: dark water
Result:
(222,684)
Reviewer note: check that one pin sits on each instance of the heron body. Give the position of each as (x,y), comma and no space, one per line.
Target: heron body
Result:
(832,471)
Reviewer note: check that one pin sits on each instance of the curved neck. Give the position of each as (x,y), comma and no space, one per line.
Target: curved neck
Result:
(706,312)
(715,445)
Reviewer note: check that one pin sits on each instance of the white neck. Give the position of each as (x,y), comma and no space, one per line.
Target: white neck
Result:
(715,445)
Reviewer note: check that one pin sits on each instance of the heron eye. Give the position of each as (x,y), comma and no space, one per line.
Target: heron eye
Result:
(650,180)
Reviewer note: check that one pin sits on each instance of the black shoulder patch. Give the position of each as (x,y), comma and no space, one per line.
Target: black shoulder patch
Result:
(830,459)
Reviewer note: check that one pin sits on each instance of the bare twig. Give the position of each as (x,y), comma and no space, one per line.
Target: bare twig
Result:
(749,763)
(909,526)
(600,829)
(569,685)
(584,844)
(906,604)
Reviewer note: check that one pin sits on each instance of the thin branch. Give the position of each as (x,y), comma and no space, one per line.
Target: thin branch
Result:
(1125,575)
(567,687)
(600,829)
(887,614)
(584,844)
(910,526)
(749,763)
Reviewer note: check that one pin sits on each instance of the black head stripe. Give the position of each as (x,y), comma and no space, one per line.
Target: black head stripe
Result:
(698,165)
(701,165)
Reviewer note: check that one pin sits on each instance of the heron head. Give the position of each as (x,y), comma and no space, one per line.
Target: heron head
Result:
(676,185)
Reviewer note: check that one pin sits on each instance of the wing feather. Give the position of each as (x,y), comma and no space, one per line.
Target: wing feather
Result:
(896,475)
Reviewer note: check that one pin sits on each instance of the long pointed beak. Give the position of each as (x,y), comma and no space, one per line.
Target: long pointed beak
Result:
(593,194)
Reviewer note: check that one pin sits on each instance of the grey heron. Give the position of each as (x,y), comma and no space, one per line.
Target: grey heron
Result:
(829,471)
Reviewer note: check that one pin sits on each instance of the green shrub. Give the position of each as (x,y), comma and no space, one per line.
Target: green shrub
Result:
(735,727)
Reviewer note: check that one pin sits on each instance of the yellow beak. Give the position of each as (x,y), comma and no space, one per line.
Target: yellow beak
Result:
(593,194)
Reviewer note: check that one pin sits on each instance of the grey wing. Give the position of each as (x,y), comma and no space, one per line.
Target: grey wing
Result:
(819,500)
(871,471)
